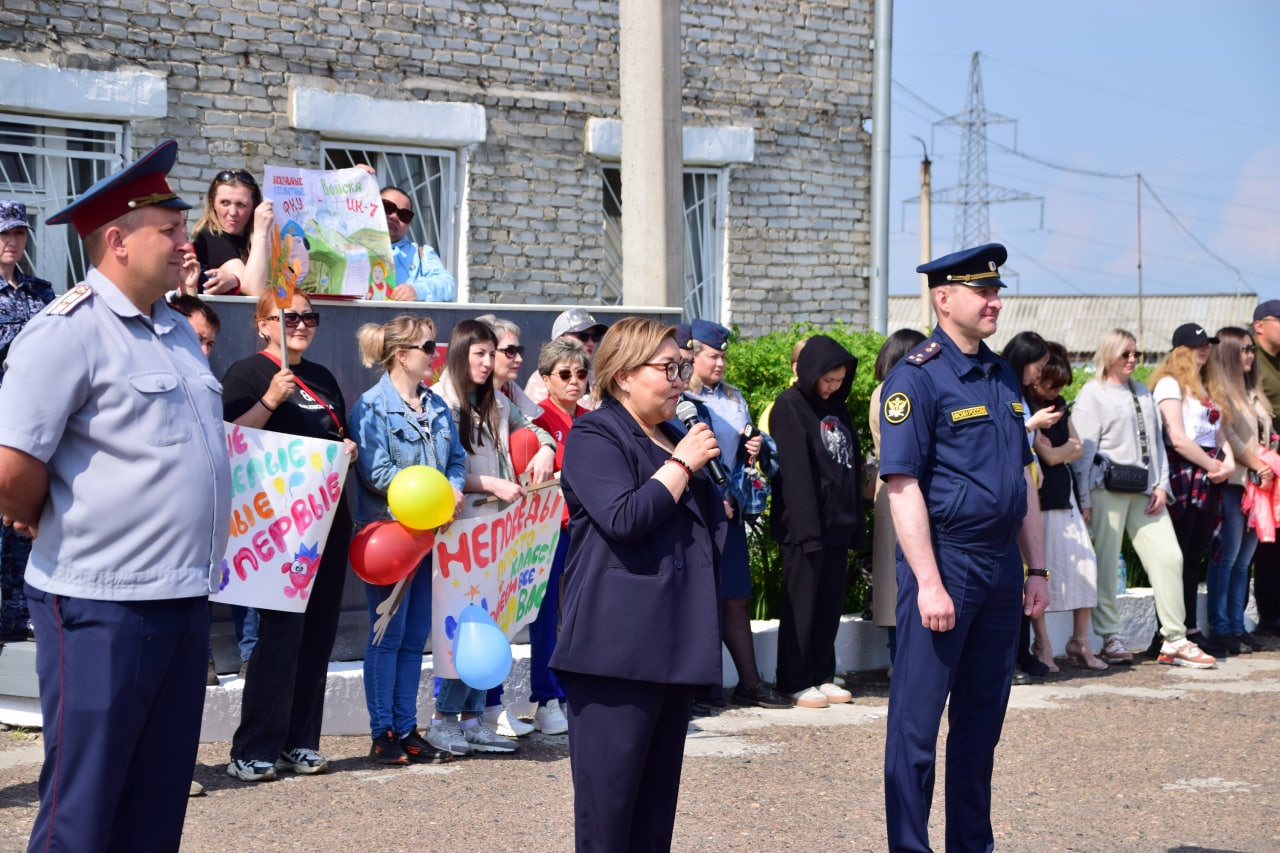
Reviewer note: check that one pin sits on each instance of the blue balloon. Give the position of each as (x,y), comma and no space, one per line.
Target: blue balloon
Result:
(481,653)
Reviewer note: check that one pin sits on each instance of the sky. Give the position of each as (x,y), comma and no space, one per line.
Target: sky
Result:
(1185,93)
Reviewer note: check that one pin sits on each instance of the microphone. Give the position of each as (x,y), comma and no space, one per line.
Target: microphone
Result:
(688,413)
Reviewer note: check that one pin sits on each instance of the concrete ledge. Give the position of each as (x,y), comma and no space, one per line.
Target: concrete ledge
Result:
(360,117)
(702,146)
(82,94)
(860,645)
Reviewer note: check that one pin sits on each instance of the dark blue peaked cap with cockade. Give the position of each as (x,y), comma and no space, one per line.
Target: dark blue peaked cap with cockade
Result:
(976,267)
(712,334)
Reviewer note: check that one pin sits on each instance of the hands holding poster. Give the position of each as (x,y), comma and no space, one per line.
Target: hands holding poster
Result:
(329,234)
(499,561)
(285,491)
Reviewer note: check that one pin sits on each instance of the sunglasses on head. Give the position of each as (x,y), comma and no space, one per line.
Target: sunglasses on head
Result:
(235,175)
(308,318)
(566,374)
(511,351)
(404,214)
(588,335)
(429,347)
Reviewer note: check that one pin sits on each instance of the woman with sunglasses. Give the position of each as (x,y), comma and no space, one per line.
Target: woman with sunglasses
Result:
(640,598)
(284,683)
(1246,422)
(235,219)
(398,423)
(1118,424)
(485,420)
(1186,388)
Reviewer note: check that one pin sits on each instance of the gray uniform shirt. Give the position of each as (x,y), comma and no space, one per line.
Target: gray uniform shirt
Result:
(125,413)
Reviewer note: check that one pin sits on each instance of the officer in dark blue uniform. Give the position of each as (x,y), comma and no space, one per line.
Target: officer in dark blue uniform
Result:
(953,451)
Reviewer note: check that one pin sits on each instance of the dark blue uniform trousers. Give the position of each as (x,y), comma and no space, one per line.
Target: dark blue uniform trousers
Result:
(973,662)
(626,749)
(122,693)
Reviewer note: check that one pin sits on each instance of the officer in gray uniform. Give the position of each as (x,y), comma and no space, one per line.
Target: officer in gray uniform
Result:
(953,451)
(112,453)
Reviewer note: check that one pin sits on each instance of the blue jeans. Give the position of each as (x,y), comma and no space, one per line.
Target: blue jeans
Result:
(1229,575)
(393,667)
(245,621)
(453,696)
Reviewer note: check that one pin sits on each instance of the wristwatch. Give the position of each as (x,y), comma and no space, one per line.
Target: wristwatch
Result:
(1038,573)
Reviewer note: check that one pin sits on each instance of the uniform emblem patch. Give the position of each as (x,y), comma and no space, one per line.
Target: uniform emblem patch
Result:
(896,408)
(1017,409)
(67,302)
(966,414)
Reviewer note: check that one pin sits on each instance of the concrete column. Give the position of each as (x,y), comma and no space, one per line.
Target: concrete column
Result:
(652,156)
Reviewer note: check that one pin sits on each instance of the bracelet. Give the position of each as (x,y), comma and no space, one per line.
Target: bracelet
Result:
(684,466)
(263,404)
(1038,573)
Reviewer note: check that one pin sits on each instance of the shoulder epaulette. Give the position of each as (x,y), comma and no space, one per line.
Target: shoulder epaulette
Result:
(923,353)
(69,301)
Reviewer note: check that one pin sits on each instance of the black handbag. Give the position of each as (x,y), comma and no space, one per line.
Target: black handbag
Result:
(1127,478)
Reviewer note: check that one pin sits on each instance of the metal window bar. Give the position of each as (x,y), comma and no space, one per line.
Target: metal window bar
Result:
(702,242)
(46,163)
(426,175)
(609,291)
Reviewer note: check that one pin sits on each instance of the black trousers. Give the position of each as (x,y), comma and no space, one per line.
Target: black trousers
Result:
(283,702)
(626,749)
(1266,581)
(1195,532)
(812,598)
(121,693)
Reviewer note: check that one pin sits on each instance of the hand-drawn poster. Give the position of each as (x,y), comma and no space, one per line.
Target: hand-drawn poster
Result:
(329,234)
(500,561)
(284,494)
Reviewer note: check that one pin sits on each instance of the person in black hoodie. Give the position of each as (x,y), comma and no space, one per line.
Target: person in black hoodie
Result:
(816,518)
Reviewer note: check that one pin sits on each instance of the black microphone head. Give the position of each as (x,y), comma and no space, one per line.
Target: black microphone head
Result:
(687,411)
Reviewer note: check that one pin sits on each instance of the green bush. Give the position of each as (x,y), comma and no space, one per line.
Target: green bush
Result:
(761,370)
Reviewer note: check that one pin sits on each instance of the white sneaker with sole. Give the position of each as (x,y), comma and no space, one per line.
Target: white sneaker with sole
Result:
(302,760)
(484,739)
(501,720)
(549,719)
(835,694)
(1185,653)
(251,771)
(810,697)
(448,738)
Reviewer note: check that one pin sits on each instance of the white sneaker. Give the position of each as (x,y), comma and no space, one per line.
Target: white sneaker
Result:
(447,738)
(501,720)
(835,695)
(549,719)
(1185,653)
(484,739)
(810,697)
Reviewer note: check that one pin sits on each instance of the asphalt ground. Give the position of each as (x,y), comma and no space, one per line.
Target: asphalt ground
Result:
(1141,758)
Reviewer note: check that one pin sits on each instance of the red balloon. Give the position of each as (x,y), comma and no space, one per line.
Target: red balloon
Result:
(386,551)
(524,444)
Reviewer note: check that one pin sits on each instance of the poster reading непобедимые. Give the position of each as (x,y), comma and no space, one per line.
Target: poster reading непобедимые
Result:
(285,491)
(329,233)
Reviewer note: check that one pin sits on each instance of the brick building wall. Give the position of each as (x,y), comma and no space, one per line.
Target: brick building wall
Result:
(797,73)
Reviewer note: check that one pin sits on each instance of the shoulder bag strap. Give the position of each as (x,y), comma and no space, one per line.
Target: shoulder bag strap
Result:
(296,378)
(1142,427)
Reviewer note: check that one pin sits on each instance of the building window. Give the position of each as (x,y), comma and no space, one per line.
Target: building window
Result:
(704,236)
(427,175)
(46,163)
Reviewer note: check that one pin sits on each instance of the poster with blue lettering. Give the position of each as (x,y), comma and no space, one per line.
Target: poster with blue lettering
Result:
(284,494)
(329,233)
(500,560)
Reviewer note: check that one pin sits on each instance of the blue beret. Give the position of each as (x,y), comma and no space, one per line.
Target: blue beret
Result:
(712,334)
(140,184)
(976,267)
(682,335)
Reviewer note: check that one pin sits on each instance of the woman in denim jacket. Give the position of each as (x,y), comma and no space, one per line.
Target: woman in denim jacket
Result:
(398,423)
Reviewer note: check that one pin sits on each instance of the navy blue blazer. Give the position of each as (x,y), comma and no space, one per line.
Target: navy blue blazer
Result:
(640,597)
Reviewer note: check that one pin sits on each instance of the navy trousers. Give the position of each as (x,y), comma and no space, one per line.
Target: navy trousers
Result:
(973,663)
(121,692)
(626,749)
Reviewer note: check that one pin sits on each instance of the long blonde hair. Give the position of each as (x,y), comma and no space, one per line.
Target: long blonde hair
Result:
(1196,382)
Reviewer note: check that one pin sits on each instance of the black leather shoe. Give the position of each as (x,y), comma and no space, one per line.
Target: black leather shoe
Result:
(700,710)
(1034,667)
(1021,678)
(1250,642)
(761,696)
(1268,628)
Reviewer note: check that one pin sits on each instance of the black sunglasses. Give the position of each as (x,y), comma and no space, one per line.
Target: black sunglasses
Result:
(235,175)
(406,215)
(308,318)
(429,347)
(566,374)
(588,335)
(512,351)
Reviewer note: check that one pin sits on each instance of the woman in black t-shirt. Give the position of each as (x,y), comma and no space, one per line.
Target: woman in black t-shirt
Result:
(284,686)
(235,219)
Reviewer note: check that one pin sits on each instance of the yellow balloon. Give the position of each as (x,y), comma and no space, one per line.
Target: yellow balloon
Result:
(420,498)
(316,461)
(279,484)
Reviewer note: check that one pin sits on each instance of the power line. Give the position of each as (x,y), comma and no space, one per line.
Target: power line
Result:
(1187,231)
